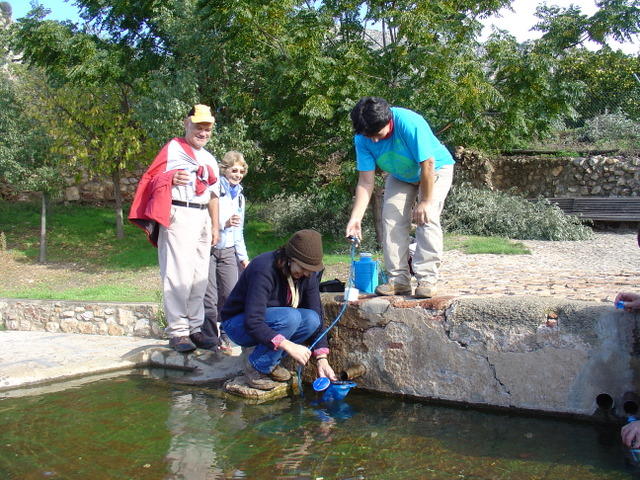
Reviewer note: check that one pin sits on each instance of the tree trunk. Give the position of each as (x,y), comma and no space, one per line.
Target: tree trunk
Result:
(42,255)
(117,195)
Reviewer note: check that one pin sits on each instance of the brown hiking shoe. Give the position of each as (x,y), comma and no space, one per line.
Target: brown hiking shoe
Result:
(280,374)
(426,290)
(259,380)
(200,340)
(182,344)
(393,288)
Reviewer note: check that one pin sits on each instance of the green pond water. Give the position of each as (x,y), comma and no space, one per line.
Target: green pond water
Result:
(141,427)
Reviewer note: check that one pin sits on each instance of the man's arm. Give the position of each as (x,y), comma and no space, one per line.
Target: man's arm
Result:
(363,195)
(214,213)
(427,179)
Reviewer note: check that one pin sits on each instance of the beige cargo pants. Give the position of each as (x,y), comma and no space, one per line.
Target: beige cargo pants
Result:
(183,254)
(399,200)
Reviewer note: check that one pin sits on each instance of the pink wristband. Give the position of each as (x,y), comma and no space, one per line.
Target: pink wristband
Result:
(277,340)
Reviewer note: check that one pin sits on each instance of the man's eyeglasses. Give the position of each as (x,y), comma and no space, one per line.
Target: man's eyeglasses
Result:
(241,171)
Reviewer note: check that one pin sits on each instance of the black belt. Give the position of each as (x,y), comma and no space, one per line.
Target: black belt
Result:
(200,206)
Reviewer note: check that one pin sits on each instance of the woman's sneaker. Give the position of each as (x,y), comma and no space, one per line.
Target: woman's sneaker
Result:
(226,346)
(200,340)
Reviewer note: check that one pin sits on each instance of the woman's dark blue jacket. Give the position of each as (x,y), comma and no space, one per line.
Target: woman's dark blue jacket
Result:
(262,285)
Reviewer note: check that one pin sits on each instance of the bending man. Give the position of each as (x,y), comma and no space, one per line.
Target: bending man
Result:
(400,142)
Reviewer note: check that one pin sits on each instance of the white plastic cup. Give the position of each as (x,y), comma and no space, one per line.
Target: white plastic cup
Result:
(351,294)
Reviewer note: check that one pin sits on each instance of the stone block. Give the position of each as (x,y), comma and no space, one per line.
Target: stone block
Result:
(142,328)
(52,327)
(115,330)
(69,325)
(239,386)
(126,317)
(86,328)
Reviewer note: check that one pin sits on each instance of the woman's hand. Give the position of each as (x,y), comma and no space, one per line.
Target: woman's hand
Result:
(232,221)
(631,301)
(630,434)
(299,353)
(325,370)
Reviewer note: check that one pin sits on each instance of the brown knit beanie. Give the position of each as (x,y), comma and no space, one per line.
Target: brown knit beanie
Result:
(305,246)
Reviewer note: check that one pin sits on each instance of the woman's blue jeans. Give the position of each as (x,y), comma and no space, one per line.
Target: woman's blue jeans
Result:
(295,324)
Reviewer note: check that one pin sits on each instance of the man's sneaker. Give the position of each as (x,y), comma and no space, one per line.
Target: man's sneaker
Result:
(259,380)
(426,290)
(393,288)
(200,340)
(182,344)
(280,374)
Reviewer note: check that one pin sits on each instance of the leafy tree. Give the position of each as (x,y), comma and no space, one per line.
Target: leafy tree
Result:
(26,161)
(283,75)
(92,86)
(608,80)
(565,28)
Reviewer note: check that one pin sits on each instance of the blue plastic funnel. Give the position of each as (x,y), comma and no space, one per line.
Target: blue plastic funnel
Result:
(337,391)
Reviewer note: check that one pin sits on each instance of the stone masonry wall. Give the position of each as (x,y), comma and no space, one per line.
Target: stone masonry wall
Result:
(139,320)
(532,176)
(553,176)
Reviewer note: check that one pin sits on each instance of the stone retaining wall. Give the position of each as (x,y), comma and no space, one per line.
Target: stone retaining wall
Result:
(531,176)
(133,320)
(554,176)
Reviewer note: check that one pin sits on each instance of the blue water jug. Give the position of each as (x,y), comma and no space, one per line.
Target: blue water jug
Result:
(366,273)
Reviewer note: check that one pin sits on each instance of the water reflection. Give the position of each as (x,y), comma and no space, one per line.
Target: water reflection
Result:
(140,428)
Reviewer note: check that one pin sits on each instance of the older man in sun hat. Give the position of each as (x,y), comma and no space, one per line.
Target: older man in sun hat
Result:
(275,306)
(176,203)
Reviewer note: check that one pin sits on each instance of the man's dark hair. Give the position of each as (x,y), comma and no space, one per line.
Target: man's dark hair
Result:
(370,115)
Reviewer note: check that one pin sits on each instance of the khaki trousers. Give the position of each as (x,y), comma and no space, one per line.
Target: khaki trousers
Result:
(183,254)
(399,200)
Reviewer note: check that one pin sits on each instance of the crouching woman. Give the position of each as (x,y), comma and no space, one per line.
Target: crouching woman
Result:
(275,306)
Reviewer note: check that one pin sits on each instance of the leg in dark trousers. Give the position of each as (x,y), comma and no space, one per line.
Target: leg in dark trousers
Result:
(223,275)
(210,325)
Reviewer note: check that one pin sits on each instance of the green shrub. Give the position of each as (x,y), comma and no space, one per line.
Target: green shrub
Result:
(612,127)
(326,210)
(472,211)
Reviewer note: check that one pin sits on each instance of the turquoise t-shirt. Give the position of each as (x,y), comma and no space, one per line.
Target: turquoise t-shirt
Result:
(410,143)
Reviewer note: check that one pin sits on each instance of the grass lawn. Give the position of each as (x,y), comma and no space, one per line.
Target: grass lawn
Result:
(85,261)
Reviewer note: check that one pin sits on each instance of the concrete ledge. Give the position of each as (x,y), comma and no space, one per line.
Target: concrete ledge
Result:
(531,353)
(30,358)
